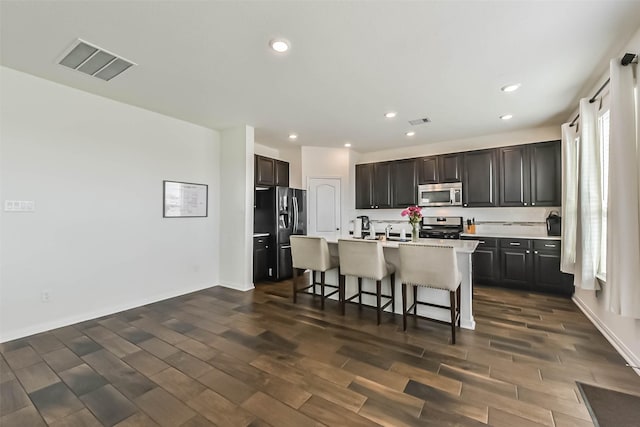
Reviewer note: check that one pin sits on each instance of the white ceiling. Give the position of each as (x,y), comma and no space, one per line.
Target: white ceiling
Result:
(349,63)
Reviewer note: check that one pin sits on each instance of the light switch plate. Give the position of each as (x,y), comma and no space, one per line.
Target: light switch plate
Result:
(19,206)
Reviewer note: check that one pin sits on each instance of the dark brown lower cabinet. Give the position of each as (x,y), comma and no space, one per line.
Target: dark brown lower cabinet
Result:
(520,264)
(546,268)
(515,268)
(486,262)
(260,259)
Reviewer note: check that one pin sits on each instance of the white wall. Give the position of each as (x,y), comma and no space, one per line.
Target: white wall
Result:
(624,332)
(453,146)
(323,162)
(97,241)
(236,202)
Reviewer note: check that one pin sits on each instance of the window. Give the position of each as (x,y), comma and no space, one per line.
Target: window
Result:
(603,140)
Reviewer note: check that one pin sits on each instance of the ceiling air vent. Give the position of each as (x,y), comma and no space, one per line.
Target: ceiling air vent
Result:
(421,121)
(95,61)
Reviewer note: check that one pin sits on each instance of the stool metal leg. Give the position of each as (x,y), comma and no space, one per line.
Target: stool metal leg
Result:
(293,282)
(452,299)
(322,290)
(415,301)
(404,306)
(313,281)
(379,298)
(359,292)
(458,304)
(393,292)
(341,291)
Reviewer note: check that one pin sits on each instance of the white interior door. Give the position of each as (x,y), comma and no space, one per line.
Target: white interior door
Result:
(324,207)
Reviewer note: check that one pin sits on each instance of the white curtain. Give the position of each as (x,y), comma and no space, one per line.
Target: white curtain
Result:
(569,197)
(623,224)
(589,203)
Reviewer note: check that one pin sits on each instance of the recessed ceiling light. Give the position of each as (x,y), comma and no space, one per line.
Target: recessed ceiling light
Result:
(347,145)
(279,45)
(510,88)
(293,136)
(410,133)
(506,116)
(390,114)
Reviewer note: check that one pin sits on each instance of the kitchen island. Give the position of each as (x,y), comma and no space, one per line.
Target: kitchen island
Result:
(464,250)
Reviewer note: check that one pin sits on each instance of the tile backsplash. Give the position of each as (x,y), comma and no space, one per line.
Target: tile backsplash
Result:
(488,219)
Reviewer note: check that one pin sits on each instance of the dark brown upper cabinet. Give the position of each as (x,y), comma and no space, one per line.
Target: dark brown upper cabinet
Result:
(364,186)
(405,182)
(428,170)
(546,173)
(443,168)
(374,185)
(382,185)
(265,171)
(514,176)
(479,179)
(270,172)
(450,167)
(530,175)
(282,173)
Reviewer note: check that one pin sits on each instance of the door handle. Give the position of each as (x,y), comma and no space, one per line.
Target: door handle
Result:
(514,244)
(549,246)
(285,247)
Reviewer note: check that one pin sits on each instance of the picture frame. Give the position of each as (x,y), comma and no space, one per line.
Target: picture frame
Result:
(184,199)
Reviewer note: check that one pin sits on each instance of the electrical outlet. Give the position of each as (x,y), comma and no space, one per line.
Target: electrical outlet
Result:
(45,296)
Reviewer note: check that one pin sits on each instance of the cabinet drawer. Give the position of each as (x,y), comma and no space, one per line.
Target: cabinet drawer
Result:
(515,243)
(546,245)
(486,242)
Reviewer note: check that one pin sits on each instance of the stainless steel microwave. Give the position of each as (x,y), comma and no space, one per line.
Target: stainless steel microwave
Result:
(449,194)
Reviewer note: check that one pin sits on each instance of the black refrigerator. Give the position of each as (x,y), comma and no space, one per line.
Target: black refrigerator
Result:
(281,212)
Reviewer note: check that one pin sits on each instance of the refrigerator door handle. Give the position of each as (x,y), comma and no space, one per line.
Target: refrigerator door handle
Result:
(295,214)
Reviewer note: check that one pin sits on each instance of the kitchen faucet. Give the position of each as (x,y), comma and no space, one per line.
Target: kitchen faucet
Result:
(387,229)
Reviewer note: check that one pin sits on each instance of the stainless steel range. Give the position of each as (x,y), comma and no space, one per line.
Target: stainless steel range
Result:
(441,227)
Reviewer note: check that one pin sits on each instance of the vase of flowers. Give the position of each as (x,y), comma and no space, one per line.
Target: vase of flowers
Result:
(415,215)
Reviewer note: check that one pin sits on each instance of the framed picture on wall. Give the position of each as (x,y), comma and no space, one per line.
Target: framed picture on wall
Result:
(185,200)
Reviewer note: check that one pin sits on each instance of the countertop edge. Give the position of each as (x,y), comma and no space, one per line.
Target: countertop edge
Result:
(511,236)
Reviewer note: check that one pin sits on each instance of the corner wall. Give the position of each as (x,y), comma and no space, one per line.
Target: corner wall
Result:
(97,242)
(236,208)
(622,332)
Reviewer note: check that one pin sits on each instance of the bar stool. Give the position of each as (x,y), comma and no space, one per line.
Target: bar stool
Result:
(312,253)
(432,267)
(365,259)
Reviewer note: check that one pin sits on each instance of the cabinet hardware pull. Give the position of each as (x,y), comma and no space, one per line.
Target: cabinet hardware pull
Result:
(481,241)
(528,252)
(533,204)
(535,252)
(549,246)
(525,203)
(514,244)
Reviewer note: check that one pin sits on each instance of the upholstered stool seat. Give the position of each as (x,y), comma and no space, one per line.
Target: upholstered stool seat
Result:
(365,259)
(312,253)
(432,267)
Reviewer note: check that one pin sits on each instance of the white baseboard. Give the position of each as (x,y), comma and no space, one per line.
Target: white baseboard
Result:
(59,323)
(238,286)
(613,339)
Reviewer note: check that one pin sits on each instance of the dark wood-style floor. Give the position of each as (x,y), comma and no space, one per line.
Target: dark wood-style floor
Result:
(223,357)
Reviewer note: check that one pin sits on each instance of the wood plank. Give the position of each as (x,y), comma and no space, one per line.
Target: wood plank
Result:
(277,413)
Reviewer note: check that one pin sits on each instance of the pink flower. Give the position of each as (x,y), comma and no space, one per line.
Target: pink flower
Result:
(414,213)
